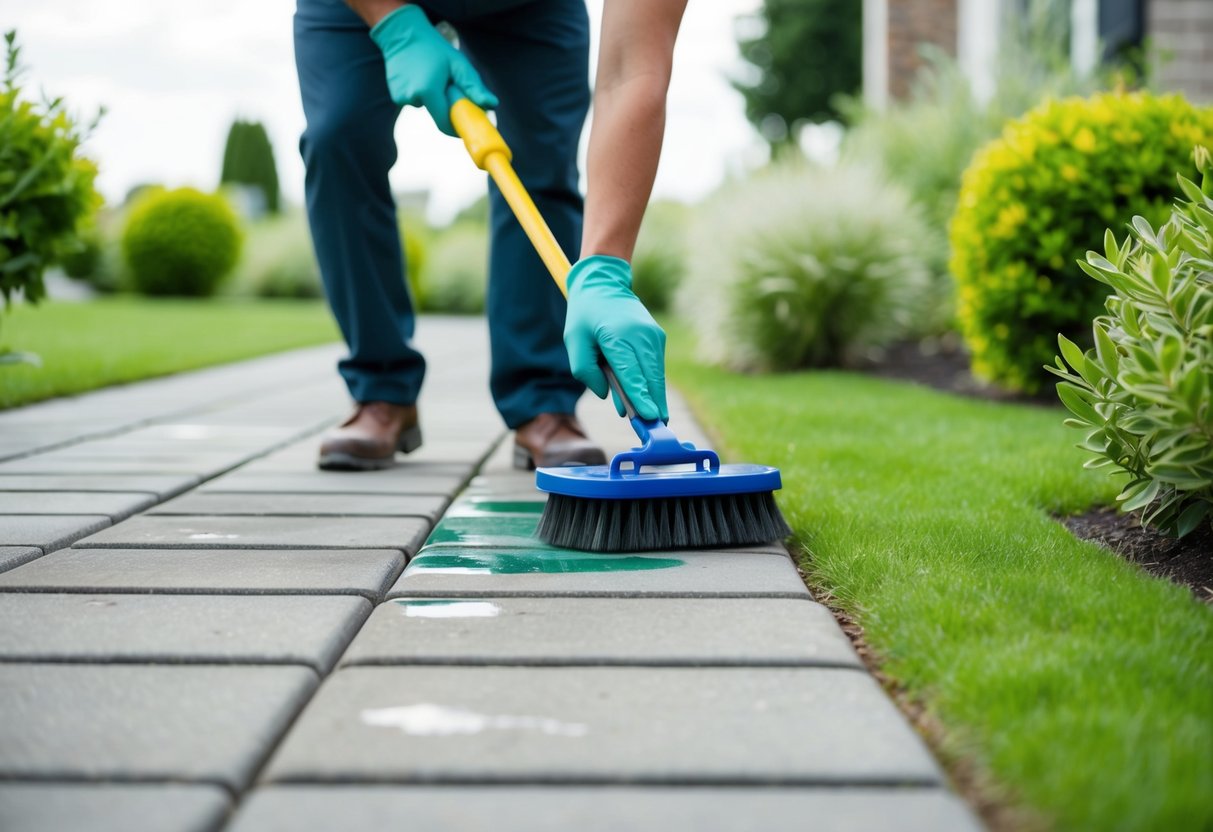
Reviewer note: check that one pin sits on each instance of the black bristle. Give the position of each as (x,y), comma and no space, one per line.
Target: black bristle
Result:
(660,524)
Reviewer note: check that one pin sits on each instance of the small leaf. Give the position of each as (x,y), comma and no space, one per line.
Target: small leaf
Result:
(1072,354)
(1139,495)
(1072,397)
(1190,518)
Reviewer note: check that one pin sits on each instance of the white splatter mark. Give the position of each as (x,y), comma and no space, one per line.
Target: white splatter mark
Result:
(212,536)
(451,609)
(429,720)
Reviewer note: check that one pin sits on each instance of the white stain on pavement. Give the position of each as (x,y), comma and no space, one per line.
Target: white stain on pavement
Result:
(426,719)
(451,609)
(211,536)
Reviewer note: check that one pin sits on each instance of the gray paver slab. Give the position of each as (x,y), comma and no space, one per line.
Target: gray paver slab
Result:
(14,556)
(111,807)
(365,572)
(304,505)
(46,531)
(607,725)
(165,485)
(598,631)
(132,722)
(455,572)
(601,809)
(194,629)
(202,464)
(115,504)
(211,532)
(397,480)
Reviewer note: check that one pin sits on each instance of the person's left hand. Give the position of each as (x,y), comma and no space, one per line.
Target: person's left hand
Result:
(606,317)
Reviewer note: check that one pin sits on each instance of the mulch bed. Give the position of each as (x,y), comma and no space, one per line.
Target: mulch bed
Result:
(1188,561)
(943,364)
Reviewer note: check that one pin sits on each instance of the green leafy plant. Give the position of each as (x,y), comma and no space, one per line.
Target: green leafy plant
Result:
(1033,199)
(277,261)
(46,186)
(659,261)
(805,267)
(456,270)
(180,242)
(1144,393)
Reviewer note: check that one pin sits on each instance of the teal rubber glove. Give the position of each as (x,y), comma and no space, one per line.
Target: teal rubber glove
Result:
(605,317)
(424,70)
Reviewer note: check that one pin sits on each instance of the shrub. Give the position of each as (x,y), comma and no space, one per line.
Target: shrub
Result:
(802,267)
(278,261)
(180,242)
(248,159)
(1144,394)
(46,187)
(1030,201)
(456,270)
(414,240)
(659,260)
(82,261)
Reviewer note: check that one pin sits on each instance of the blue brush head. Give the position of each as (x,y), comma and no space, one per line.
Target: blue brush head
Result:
(625,478)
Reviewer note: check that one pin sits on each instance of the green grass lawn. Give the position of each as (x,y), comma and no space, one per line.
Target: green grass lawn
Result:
(84,346)
(1081,685)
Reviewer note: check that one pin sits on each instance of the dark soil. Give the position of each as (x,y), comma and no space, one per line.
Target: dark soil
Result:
(942,363)
(1187,561)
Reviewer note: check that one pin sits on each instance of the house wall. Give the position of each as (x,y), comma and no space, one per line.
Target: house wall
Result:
(1183,28)
(910,24)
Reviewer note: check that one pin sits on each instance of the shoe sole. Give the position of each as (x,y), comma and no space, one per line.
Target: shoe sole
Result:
(524,460)
(409,441)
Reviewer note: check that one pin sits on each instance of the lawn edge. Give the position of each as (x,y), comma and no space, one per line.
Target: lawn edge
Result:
(993,801)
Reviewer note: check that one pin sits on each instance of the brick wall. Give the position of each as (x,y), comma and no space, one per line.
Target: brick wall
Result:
(913,22)
(1183,28)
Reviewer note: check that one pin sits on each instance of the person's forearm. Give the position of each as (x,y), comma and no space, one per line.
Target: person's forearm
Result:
(372,11)
(629,120)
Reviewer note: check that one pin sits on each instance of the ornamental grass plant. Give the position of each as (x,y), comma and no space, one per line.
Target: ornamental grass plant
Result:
(1144,394)
(799,266)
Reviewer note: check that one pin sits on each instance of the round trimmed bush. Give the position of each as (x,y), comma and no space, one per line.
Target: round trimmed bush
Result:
(180,242)
(1035,199)
(805,267)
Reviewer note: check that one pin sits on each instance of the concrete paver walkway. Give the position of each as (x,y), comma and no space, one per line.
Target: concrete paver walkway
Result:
(198,631)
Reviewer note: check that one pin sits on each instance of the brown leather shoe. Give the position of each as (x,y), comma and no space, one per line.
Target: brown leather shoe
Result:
(552,440)
(369,439)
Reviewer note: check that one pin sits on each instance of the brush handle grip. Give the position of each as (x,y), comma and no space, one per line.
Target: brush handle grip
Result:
(617,388)
(492,155)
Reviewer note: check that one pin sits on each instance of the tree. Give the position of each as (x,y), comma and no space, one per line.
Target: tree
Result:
(806,52)
(248,159)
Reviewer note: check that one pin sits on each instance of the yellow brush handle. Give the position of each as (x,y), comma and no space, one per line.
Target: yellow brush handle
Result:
(490,153)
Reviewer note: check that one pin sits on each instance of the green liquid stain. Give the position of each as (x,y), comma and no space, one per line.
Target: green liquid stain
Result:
(486,530)
(555,561)
(477,506)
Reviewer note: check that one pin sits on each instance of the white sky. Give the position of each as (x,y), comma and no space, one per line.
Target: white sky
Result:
(173,75)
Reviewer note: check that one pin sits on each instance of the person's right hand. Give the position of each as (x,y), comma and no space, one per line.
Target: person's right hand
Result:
(424,70)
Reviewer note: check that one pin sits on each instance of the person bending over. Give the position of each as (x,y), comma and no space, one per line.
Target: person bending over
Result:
(358,64)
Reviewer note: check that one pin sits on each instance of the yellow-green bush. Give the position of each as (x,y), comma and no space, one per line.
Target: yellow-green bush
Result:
(180,242)
(1035,199)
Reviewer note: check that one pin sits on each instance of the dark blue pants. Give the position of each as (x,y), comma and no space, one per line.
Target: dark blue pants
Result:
(534,55)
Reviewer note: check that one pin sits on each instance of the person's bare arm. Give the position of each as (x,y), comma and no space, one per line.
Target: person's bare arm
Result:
(634,64)
(372,11)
